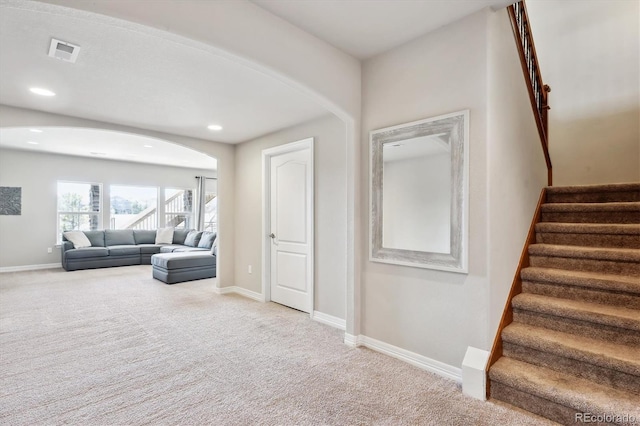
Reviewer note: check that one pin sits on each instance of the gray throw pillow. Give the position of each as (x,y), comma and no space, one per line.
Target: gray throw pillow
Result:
(206,240)
(193,238)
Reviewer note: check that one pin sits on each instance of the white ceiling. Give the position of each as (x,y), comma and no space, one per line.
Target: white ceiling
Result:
(139,76)
(105,145)
(364,28)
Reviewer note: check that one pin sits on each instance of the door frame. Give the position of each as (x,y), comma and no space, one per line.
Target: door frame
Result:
(300,145)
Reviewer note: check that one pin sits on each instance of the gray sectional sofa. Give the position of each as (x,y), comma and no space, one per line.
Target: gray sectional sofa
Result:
(125,247)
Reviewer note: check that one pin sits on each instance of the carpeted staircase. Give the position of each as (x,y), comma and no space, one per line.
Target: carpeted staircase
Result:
(574,343)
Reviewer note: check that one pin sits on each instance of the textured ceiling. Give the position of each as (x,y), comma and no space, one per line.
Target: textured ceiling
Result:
(144,77)
(138,76)
(364,28)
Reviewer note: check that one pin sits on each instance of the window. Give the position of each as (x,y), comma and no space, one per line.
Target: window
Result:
(134,207)
(79,207)
(178,208)
(211,205)
(211,213)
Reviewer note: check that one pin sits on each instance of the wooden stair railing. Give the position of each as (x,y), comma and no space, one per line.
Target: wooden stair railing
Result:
(516,288)
(538,91)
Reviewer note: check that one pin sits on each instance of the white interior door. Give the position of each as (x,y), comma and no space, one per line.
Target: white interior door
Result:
(291,228)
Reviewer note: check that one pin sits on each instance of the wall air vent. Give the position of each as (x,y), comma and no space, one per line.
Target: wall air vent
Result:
(62,50)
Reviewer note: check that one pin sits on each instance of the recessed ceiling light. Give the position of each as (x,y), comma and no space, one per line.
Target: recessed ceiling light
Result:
(42,92)
(214,127)
(32,143)
(35,130)
(148,146)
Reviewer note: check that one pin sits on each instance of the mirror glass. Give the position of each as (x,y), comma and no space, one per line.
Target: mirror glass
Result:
(419,193)
(417,199)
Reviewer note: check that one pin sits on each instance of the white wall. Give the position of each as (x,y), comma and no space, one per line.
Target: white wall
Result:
(589,54)
(471,64)
(517,170)
(224,153)
(433,313)
(330,210)
(417,203)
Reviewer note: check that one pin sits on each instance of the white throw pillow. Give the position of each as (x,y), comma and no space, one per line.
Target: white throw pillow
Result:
(77,238)
(164,236)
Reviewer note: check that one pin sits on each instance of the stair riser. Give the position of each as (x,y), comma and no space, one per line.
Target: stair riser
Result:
(589,240)
(534,404)
(594,197)
(583,294)
(586,265)
(592,217)
(603,376)
(578,327)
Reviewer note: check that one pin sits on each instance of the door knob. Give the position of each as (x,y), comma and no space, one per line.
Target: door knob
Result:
(272,235)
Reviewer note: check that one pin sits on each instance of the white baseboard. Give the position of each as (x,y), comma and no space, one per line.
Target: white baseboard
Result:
(241,291)
(351,340)
(327,319)
(30,267)
(420,361)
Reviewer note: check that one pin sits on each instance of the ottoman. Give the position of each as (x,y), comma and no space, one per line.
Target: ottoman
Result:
(174,268)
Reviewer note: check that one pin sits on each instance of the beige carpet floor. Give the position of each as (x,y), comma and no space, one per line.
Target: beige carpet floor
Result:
(115,347)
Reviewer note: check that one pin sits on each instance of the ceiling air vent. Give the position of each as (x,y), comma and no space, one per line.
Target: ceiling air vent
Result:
(63,50)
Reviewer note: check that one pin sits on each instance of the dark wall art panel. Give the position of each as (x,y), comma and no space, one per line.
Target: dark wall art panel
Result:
(10,200)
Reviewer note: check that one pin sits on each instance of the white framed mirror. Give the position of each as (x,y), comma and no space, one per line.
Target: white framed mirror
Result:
(419,193)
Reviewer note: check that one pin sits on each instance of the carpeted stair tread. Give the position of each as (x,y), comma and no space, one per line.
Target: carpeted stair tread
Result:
(577,189)
(632,206)
(589,228)
(605,354)
(614,316)
(591,212)
(581,252)
(618,283)
(579,394)
(594,193)
(596,234)
(573,343)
